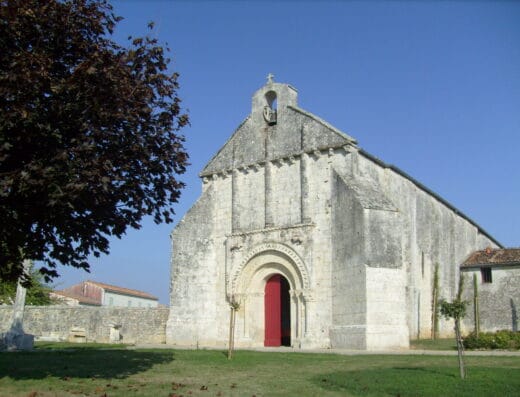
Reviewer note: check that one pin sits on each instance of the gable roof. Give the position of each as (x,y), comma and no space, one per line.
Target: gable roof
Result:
(302,132)
(246,144)
(123,291)
(85,300)
(493,257)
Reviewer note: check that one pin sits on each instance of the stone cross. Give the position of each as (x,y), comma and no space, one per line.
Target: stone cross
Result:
(15,338)
(270,77)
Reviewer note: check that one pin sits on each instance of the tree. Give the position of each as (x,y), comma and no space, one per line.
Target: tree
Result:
(89,134)
(234,306)
(456,310)
(37,293)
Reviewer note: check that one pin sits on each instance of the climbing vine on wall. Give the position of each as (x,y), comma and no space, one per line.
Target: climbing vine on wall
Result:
(435,298)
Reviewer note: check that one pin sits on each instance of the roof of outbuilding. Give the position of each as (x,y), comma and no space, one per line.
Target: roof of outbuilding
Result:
(80,298)
(496,257)
(124,291)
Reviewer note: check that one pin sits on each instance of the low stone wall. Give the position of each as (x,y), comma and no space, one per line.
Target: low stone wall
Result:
(92,324)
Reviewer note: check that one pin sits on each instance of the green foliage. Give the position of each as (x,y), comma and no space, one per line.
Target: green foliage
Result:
(37,292)
(455,309)
(461,286)
(503,339)
(89,140)
(7,292)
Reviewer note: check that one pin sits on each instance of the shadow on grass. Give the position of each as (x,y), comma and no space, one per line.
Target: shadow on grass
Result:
(428,370)
(423,381)
(80,363)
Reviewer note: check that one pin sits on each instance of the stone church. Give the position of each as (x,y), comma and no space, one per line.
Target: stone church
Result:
(320,243)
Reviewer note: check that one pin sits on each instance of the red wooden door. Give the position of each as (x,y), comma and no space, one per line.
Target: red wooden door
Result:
(273,312)
(277,306)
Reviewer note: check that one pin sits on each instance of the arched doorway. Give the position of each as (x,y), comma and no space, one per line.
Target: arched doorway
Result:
(277,308)
(247,284)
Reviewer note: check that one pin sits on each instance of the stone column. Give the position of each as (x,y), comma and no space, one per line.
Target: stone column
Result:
(304,188)
(309,334)
(269,222)
(234,201)
(295,318)
(306,308)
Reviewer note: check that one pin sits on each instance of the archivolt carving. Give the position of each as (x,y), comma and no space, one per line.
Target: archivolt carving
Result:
(296,265)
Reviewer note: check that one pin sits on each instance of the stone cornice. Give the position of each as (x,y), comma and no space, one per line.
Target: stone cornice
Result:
(287,159)
(270,229)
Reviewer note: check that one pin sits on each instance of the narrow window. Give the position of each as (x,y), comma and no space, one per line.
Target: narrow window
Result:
(271,100)
(486,274)
(129,303)
(270,109)
(111,301)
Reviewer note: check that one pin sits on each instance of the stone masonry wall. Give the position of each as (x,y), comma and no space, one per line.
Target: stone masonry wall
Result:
(365,239)
(499,301)
(97,324)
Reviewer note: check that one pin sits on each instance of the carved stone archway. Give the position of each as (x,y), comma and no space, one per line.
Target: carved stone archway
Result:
(247,285)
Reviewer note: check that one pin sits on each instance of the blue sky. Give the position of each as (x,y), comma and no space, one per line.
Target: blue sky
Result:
(431,87)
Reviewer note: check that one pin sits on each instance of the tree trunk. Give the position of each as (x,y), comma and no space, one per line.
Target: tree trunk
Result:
(231,333)
(460,349)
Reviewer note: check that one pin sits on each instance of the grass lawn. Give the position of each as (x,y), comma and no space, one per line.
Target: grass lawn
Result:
(437,344)
(72,370)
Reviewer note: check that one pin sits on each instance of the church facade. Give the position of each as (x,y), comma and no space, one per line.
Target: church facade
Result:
(317,242)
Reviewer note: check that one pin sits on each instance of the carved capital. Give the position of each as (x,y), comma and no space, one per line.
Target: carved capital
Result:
(308,295)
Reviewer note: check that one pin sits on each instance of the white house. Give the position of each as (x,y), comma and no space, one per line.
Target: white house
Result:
(101,294)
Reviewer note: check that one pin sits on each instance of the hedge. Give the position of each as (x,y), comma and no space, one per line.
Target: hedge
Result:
(503,339)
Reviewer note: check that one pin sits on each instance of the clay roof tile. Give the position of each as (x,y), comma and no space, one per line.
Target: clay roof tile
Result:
(80,298)
(490,256)
(124,291)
